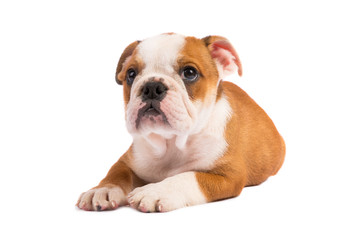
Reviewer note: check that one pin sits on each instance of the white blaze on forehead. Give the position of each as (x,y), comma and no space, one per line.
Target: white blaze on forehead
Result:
(160,53)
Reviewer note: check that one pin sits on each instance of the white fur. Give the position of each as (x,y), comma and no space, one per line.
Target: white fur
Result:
(172,193)
(103,198)
(202,148)
(160,53)
(180,112)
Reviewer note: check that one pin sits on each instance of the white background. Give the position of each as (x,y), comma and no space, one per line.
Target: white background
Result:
(62,121)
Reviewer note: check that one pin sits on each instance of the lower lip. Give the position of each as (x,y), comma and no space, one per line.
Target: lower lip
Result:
(151,111)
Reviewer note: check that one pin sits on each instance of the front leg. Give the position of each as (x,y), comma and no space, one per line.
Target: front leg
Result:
(112,190)
(184,189)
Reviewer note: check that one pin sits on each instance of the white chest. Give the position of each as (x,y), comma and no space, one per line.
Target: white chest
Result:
(200,153)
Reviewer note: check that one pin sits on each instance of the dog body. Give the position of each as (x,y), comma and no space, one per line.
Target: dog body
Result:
(196,138)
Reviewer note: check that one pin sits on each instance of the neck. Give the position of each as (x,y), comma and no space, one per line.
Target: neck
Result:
(159,144)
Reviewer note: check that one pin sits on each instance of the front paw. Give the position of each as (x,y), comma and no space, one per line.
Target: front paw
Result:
(155,198)
(103,198)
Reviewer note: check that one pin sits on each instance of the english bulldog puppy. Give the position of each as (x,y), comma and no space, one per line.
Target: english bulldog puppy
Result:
(196,137)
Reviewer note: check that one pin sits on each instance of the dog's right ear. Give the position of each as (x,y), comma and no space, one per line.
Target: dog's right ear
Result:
(127,53)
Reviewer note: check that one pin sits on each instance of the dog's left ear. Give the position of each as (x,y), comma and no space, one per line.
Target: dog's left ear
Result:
(127,53)
(224,55)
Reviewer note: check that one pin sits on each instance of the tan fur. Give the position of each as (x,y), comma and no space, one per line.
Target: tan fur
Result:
(256,150)
(196,54)
(121,175)
(127,53)
(127,57)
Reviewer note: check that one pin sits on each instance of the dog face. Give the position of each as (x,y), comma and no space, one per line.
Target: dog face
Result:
(171,82)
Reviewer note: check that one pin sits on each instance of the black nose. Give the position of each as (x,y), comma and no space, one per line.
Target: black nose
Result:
(154,91)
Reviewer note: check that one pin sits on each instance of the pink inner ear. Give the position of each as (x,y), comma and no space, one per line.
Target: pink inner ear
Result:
(221,55)
(226,55)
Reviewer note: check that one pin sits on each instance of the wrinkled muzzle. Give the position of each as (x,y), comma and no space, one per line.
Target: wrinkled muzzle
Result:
(159,105)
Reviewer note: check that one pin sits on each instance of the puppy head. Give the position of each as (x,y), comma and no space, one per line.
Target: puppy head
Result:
(171,82)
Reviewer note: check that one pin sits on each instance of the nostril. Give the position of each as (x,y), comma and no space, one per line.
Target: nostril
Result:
(159,89)
(146,91)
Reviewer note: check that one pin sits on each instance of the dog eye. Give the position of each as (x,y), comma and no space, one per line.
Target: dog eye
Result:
(189,74)
(130,76)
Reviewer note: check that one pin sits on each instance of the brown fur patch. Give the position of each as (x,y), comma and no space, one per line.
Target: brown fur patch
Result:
(121,175)
(127,60)
(255,151)
(135,63)
(126,53)
(197,55)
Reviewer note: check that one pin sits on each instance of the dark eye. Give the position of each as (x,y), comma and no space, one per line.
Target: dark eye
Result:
(130,76)
(189,74)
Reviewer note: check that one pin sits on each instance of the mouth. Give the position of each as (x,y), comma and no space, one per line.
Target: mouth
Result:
(151,110)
